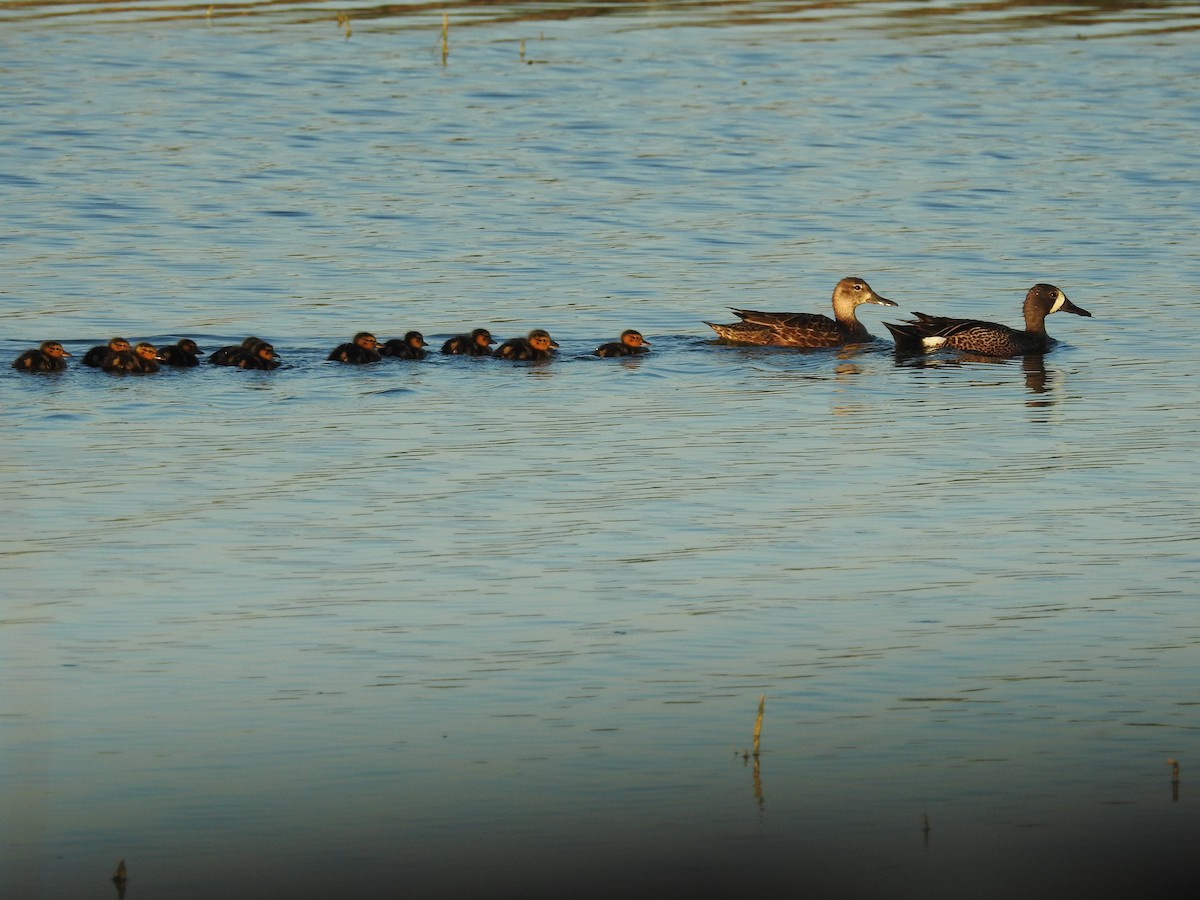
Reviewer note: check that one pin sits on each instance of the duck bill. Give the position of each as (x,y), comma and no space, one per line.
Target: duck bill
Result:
(882,301)
(1070,307)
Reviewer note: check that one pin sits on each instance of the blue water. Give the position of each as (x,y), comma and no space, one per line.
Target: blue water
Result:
(461,628)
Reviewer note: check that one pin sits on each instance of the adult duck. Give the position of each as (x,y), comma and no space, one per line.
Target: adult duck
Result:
(988,338)
(807,330)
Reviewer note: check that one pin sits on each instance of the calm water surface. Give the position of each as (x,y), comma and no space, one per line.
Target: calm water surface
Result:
(461,628)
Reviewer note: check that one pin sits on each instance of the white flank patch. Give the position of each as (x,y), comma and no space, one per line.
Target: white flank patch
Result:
(932,343)
(1058,302)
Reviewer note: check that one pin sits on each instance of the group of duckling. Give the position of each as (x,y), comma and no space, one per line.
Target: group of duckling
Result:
(117,356)
(774,329)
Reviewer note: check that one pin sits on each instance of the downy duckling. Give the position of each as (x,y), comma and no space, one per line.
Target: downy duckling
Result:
(48,357)
(537,346)
(96,357)
(631,344)
(411,347)
(182,354)
(363,349)
(477,343)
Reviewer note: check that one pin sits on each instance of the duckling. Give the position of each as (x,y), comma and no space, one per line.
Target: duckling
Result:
(988,338)
(477,343)
(631,344)
(253,353)
(96,356)
(48,357)
(141,360)
(538,346)
(182,354)
(363,349)
(806,330)
(412,347)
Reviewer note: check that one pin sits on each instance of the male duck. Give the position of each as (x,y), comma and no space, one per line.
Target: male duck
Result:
(988,338)
(631,344)
(806,330)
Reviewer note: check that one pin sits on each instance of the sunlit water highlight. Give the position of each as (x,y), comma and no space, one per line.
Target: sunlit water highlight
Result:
(463,628)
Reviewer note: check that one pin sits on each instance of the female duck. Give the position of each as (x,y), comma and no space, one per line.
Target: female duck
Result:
(182,354)
(988,338)
(96,357)
(411,347)
(537,346)
(477,343)
(48,357)
(363,349)
(807,330)
(631,344)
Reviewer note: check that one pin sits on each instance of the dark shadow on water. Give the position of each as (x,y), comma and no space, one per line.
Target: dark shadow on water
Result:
(1038,380)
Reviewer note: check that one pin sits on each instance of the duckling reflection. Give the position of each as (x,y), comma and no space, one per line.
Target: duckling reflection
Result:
(253,353)
(49,356)
(536,347)
(363,349)
(477,343)
(182,354)
(411,347)
(141,360)
(96,356)
(631,344)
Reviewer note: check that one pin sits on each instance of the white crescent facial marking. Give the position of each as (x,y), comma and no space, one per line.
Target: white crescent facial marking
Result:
(1059,299)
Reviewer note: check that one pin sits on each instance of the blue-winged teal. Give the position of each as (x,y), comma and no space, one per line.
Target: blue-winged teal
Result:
(537,346)
(182,354)
(988,338)
(48,357)
(363,349)
(477,343)
(411,347)
(96,356)
(631,344)
(806,330)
